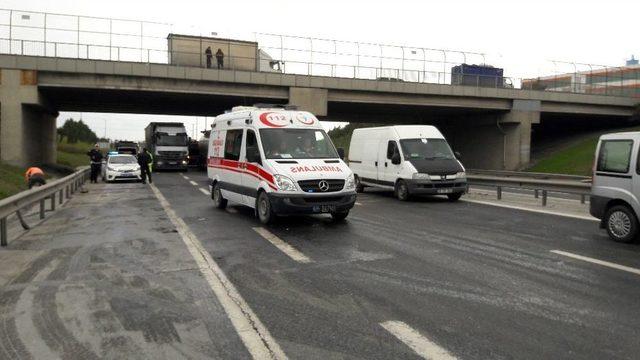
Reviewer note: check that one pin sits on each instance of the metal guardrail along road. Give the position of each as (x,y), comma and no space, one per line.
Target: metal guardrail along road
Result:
(539,183)
(55,191)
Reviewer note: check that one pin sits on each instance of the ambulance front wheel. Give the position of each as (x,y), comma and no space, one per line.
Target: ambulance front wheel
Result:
(265,212)
(218,201)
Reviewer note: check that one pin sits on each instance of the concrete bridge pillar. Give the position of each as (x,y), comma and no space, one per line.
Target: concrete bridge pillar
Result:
(27,122)
(498,141)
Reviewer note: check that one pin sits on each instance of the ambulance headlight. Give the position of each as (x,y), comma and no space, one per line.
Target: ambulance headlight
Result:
(110,168)
(350,183)
(420,176)
(284,183)
(461,175)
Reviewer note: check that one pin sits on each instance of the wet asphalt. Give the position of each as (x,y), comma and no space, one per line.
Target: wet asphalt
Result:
(479,281)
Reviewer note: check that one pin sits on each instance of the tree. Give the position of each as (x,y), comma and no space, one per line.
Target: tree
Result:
(76,131)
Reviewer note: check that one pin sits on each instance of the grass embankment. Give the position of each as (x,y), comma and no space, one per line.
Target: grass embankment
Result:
(73,155)
(573,160)
(11,180)
(576,159)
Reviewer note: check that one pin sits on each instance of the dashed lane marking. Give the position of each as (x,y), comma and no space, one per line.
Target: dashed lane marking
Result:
(598,262)
(359,204)
(204,191)
(254,335)
(193,183)
(424,347)
(541,211)
(283,246)
(231,210)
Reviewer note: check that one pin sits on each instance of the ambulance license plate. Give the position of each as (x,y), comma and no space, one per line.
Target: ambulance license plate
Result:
(445,191)
(324,208)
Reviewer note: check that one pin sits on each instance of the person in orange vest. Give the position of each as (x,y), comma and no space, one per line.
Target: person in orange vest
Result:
(34,177)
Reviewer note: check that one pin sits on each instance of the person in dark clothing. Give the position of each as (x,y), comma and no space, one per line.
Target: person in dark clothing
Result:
(209,54)
(96,163)
(220,58)
(143,160)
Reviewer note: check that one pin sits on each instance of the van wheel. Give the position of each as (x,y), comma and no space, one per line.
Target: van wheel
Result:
(359,186)
(264,209)
(402,190)
(339,216)
(621,224)
(454,197)
(218,201)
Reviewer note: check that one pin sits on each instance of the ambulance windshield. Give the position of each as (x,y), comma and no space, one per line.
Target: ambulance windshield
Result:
(428,149)
(297,144)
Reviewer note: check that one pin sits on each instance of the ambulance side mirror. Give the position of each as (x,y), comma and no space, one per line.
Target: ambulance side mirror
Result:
(457,155)
(340,153)
(253,155)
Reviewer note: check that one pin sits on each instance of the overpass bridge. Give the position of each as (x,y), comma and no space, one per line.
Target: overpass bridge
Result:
(490,126)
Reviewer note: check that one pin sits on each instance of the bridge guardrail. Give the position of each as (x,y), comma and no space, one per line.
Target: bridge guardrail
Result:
(55,191)
(563,184)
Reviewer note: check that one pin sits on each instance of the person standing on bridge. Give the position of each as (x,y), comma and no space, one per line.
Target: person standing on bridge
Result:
(96,163)
(34,177)
(220,58)
(144,160)
(209,54)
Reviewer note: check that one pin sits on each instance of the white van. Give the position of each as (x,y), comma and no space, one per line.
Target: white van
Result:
(279,162)
(616,185)
(408,159)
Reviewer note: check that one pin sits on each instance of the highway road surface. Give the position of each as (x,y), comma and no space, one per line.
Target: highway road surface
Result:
(477,281)
(396,280)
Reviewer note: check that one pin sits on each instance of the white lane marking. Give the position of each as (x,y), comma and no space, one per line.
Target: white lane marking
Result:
(193,183)
(359,204)
(596,261)
(253,333)
(185,176)
(541,211)
(231,210)
(424,347)
(283,246)
(204,191)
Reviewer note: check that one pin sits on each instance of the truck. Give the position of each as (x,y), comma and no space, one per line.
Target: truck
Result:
(168,144)
(126,147)
(478,75)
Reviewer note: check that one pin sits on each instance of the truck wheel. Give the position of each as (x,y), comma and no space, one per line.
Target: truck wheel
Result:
(218,201)
(621,224)
(264,209)
(402,190)
(454,197)
(359,186)
(339,216)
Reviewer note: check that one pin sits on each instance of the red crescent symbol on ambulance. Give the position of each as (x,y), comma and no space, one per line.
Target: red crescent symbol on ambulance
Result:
(304,119)
(264,117)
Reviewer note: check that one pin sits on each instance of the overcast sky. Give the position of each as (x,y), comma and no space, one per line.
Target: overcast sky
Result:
(521,36)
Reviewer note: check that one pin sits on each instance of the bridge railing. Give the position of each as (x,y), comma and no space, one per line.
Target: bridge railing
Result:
(55,192)
(97,38)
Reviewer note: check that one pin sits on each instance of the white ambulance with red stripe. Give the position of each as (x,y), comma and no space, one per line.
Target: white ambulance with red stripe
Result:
(278,161)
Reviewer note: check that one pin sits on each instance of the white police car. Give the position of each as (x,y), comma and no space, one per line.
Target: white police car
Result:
(121,167)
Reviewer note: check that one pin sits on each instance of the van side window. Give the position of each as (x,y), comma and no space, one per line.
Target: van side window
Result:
(392,148)
(615,156)
(233,144)
(252,145)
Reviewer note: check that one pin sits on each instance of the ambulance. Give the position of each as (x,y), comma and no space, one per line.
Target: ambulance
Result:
(278,161)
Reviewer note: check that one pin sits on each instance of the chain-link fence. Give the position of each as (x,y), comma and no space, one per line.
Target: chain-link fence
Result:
(84,37)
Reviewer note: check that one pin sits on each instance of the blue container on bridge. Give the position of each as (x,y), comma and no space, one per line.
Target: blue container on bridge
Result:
(477,75)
